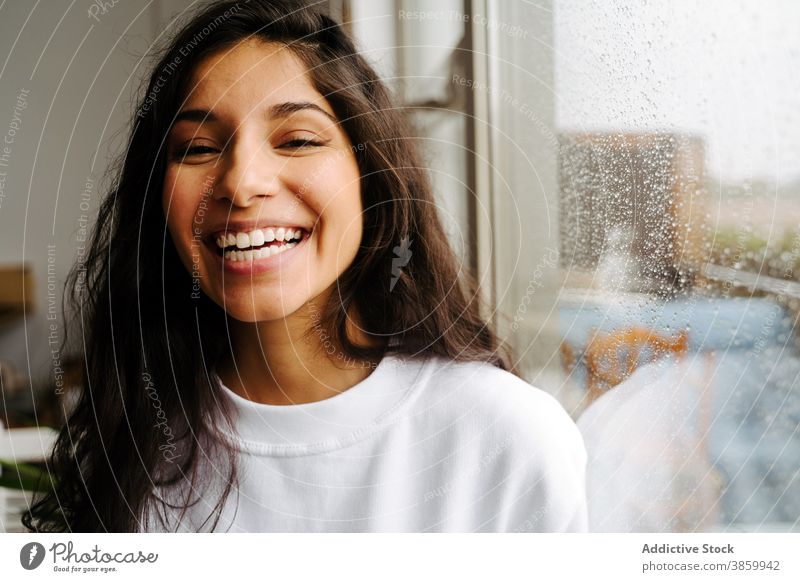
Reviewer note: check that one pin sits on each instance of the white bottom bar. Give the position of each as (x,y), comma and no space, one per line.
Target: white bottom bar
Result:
(351,557)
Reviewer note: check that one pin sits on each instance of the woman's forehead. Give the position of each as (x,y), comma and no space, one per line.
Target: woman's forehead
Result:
(252,72)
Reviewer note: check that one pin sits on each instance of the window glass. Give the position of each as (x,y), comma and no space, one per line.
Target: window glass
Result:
(679,199)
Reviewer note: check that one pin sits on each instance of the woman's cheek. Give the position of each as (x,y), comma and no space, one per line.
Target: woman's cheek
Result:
(177,218)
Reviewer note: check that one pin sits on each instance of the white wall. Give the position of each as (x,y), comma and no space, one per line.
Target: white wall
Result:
(77,75)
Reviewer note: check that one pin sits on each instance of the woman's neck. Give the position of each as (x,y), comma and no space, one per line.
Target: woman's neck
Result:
(279,362)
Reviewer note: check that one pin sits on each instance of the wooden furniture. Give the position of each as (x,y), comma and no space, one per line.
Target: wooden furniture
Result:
(16,292)
(612,357)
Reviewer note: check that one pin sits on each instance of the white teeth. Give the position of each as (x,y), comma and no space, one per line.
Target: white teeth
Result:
(255,254)
(257,238)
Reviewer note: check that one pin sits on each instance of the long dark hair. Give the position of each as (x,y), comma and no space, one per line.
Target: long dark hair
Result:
(151,350)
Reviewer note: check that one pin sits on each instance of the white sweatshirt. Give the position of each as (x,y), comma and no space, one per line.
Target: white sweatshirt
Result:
(420,445)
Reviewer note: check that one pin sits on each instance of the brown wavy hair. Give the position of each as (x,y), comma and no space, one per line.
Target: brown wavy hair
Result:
(151,350)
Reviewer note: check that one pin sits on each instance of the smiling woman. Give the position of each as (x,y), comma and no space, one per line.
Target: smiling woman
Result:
(286,320)
(255,128)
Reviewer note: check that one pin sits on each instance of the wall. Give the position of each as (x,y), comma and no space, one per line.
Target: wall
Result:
(66,90)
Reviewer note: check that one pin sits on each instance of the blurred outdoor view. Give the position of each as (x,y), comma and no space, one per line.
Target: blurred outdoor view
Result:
(679,190)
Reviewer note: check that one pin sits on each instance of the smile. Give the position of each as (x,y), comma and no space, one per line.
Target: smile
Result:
(258,243)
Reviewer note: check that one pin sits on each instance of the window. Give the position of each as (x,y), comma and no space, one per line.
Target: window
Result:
(645,166)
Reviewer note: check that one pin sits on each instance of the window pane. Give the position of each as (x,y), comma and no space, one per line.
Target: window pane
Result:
(679,199)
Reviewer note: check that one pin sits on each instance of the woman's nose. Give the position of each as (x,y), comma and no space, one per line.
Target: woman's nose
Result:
(247,174)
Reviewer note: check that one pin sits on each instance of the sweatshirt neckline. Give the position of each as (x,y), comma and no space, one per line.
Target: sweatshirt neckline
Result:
(298,429)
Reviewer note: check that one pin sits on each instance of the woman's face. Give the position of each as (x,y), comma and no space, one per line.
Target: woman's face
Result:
(262,189)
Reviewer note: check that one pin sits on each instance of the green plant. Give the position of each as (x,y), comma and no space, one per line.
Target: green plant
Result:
(24,477)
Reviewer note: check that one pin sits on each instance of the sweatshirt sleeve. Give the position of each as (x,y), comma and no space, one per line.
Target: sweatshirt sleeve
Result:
(546,483)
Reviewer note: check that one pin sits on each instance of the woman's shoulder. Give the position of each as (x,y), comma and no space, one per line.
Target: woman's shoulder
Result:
(511,439)
(497,400)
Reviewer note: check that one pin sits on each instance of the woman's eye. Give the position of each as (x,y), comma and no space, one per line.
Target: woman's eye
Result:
(301,143)
(194,150)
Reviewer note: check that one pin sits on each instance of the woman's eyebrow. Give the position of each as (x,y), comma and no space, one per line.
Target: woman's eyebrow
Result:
(279,110)
(288,108)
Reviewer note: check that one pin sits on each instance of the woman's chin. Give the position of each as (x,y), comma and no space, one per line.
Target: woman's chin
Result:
(252,312)
(250,305)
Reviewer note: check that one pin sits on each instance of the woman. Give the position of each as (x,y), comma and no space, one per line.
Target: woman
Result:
(278,334)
